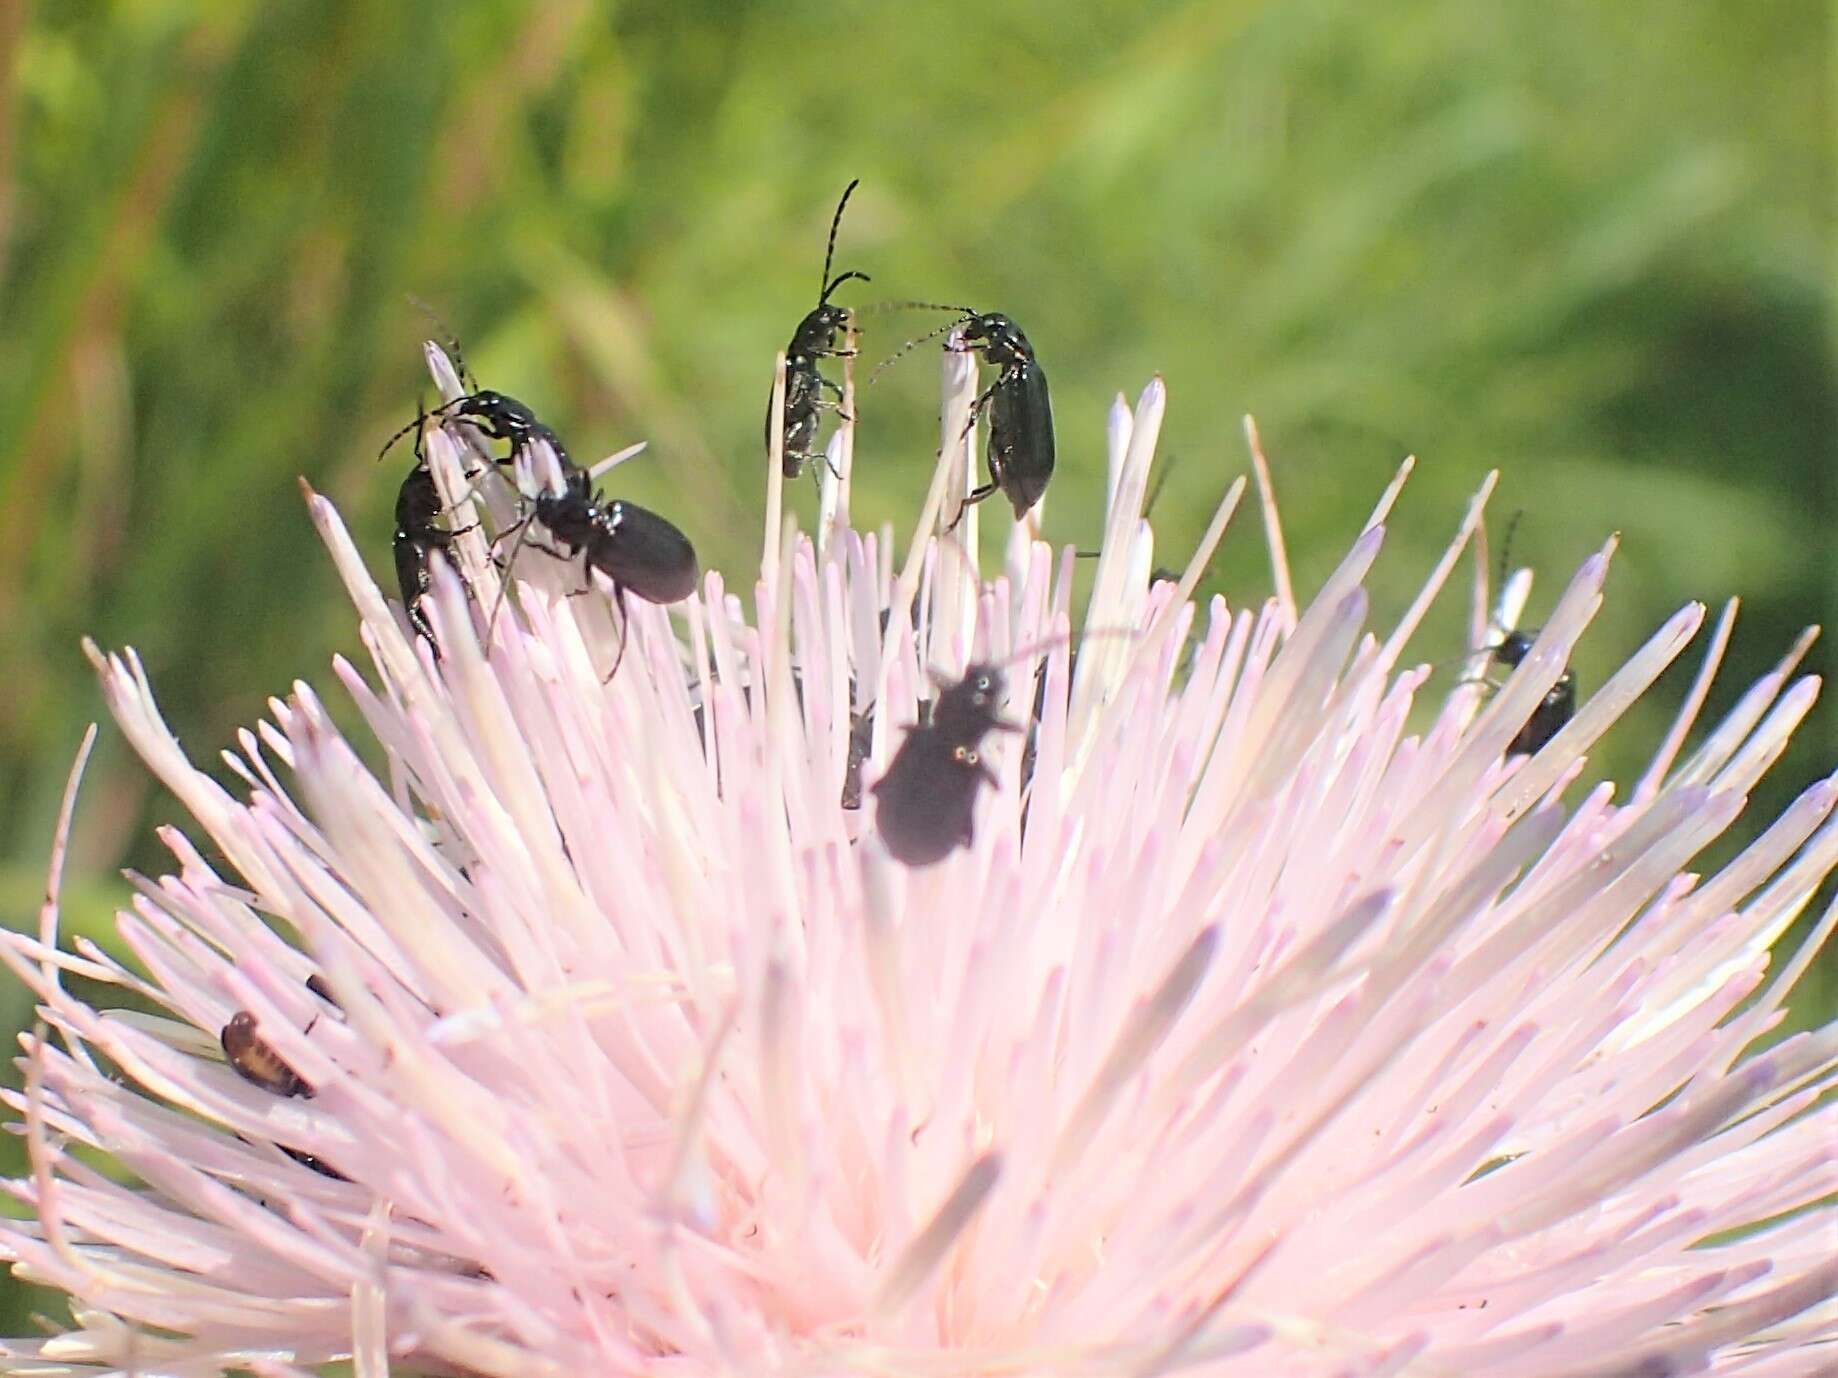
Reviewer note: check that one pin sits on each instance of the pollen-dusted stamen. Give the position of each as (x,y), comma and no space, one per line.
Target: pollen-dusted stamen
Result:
(1246,1013)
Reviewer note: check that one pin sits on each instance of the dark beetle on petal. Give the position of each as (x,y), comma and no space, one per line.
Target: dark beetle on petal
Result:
(814,339)
(1559,703)
(498,415)
(505,418)
(1553,711)
(1020,450)
(418,506)
(631,545)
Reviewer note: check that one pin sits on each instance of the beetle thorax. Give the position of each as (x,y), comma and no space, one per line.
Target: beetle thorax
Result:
(1513,648)
(1003,344)
(817,331)
(571,517)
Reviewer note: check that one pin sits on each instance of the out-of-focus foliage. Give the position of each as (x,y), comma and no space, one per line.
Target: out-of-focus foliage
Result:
(1587,243)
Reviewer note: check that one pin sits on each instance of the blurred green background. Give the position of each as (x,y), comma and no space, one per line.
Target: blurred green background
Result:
(1589,243)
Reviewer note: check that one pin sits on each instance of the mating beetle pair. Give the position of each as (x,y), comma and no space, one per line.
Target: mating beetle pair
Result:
(635,548)
(418,504)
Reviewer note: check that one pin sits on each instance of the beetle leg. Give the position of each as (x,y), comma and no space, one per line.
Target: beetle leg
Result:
(548,550)
(625,631)
(976,409)
(419,621)
(510,530)
(976,495)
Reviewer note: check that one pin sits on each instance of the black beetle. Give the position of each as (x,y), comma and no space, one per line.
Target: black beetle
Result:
(498,415)
(256,1062)
(1558,705)
(418,507)
(926,802)
(634,547)
(1020,449)
(1554,710)
(416,537)
(814,339)
(631,545)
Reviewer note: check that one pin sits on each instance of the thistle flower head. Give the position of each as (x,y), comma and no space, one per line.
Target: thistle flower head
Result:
(1253,1029)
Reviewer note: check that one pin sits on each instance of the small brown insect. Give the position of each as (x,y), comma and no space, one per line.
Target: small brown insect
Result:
(255,1061)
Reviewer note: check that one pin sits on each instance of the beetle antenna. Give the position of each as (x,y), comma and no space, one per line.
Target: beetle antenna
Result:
(447,338)
(882,307)
(421,419)
(1506,545)
(1148,506)
(1161,482)
(838,281)
(911,345)
(824,284)
(422,416)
